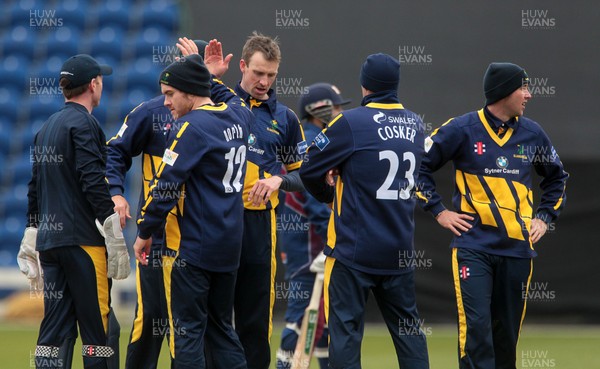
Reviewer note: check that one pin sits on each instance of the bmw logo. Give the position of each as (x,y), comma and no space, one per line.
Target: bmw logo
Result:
(502,162)
(251,139)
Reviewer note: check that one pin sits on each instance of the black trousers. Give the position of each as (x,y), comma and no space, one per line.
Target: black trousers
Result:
(151,322)
(254,288)
(346,292)
(76,293)
(200,303)
(491,296)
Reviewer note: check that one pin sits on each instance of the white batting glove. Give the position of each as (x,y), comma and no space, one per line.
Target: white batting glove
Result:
(29,259)
(318,264)
(118,258)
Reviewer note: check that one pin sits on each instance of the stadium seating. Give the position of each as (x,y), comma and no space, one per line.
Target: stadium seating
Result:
(160,13)
(36,36)
(18,41)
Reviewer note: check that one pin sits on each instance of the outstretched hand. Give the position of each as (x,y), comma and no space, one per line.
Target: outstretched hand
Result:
(213,58)
(186,46)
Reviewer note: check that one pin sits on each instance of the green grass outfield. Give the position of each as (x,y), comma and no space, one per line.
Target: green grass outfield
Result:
(540,347)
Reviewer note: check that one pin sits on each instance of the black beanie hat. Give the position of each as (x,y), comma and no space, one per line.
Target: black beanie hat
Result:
(188,74)
(380,72)
(501,80)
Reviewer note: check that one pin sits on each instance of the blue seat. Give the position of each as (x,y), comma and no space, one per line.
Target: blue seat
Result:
(18,173)
(143,75)
(73,14)
(17,14)
(10,95)
(161,13)
(15,73)
(63,43)
(107,41)
(101,113)
(11,232)
(5,139)
(114,13)
(22,141)
(19,41)
(17,194)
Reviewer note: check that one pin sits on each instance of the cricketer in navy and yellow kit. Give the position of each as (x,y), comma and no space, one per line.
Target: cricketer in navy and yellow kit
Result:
(377,149)
(492,262)
(197,189)
(143,132)
(276,138)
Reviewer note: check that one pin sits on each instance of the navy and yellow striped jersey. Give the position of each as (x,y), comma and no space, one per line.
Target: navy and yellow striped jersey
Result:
(493,180)
(377,149)
(276,139)
(144,131)
(198,187)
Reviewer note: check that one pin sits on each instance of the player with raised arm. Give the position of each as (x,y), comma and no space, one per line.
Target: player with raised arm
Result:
(274,131)
(495,151)
(197,190)
(377,149)
(144,132)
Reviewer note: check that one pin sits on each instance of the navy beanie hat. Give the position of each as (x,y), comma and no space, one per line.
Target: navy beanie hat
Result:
(188,74)
(201,45)
(380,72)
(501,80)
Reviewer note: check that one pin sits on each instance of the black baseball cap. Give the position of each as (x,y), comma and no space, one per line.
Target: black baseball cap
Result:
(81,69)
(318,92)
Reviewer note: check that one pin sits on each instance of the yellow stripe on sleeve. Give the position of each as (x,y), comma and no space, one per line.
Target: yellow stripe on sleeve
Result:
(159,172)
(435,131)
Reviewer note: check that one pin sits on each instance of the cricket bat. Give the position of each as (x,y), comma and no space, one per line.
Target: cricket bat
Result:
(306,340)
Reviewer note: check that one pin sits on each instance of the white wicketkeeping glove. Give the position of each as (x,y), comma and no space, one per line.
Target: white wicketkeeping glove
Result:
(118,257)
(29,259)
(318,263)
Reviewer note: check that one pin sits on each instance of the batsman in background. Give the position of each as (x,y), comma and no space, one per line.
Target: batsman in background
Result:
(73,229)
(303,229)
(376,148)
(274,132)
(144,132)
(494,152)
